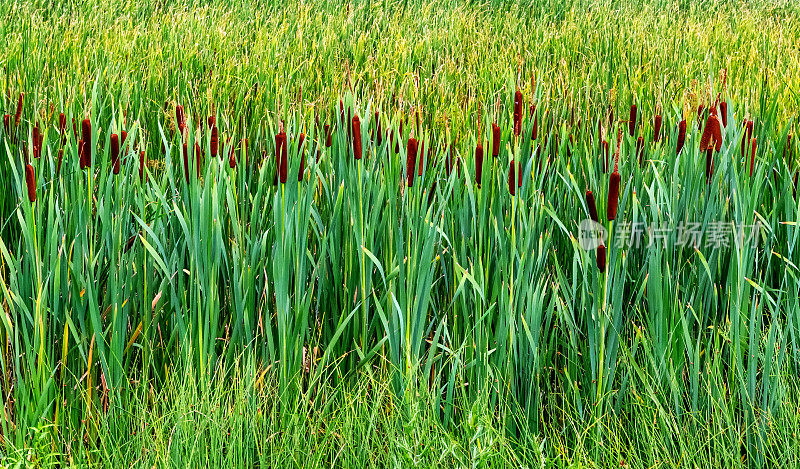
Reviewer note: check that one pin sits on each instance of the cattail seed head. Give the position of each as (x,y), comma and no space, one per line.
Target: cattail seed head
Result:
(122,137)
(632,120)
(35,141)
(681,136)
(180,118)
(592,206)
(214,141)
(535,128)
(30,181)
(18,114)
(613,196)
(411,160)
(495,140)
(86,133)
(478,164)
(421,157)
(657,128)
(378,131)
(752,155)
(723,113)
(328,136)
(284,158)
(356,138)
(517,113)
(601,259)
(62,123)
(114,150)
(231,159)
(7,124)
(512,180)
(212,121)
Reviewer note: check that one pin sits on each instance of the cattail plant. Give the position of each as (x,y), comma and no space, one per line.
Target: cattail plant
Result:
(212,121)
(86,136)
(700,111)
(81,155)
(632,120)
(535,127)
(411,160)
(356,138)
(214,141)
(7,124)
(712,135)
(681,136)
(512,181)
(592,206)
(752,155)
(114,150)
(231,158)
(62,128)
(30,181)
(723,113)
(657,128)
(517,112)
(789,147)
(601,258)
(605,156)
(519,177)
(478,164)
(709,165)
(495,141)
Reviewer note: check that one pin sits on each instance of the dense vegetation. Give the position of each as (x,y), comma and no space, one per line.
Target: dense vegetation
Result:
(352,233)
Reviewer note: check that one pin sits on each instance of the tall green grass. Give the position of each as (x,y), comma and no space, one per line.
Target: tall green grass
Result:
(467,324)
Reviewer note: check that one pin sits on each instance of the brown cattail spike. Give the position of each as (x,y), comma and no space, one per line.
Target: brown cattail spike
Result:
(214,141)
(30,181)
(114,150)
(512,180)
(592,206)
(657,128)
(752,155)
(613,196)
(411,160)
(328,136)
(495,140)
(632,120)
(478,165)
(18,114)
(356,138)
(517,113)
(601,259)
(284,165)
(86,134)
(681,136)
(723,113)
(180,118)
